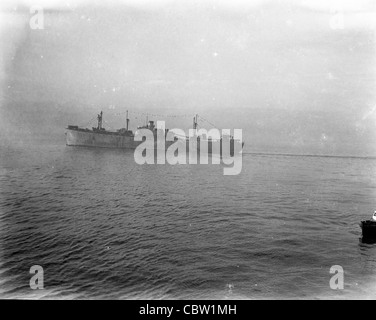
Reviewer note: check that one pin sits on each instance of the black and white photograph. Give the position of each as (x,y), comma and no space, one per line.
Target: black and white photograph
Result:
(187,150)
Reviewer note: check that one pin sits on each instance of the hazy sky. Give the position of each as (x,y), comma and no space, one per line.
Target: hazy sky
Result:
(283,71)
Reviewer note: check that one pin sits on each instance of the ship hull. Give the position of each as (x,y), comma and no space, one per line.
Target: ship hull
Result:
(82,138)
(88,138)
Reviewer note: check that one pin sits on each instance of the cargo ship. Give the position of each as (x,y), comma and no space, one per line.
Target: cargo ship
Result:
(124,138)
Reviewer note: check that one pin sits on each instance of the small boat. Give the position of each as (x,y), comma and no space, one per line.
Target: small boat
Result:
(369,228)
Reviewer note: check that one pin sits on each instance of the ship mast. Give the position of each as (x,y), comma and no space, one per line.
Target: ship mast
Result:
(195,119)
(100,118)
